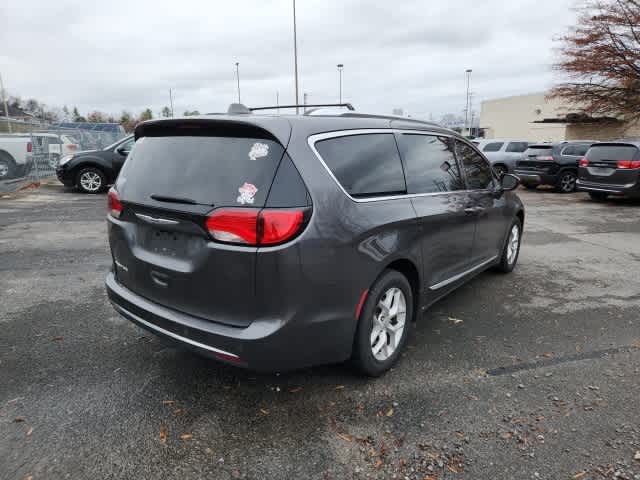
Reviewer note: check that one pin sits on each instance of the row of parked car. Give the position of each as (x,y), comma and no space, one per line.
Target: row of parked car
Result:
(599,168)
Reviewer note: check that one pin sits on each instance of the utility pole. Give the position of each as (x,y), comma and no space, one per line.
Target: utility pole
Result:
(171,101)
(466,110)
(278,101)
(295,54)
(340,67)
(4,102)
(304,102)
(238,79)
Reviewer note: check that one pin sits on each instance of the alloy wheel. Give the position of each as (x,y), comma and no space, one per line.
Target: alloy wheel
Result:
(568,182)
(389,319)
(512,244)
(91,181)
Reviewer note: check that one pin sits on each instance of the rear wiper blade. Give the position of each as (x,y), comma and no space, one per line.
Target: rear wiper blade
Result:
(165,198)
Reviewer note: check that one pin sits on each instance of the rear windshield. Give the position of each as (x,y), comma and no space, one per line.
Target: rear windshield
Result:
(208,170)
(612,152)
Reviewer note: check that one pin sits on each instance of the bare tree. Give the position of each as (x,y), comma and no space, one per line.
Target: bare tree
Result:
(601,58)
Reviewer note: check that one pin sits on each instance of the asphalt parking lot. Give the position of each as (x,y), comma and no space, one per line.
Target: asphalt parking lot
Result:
(528,375)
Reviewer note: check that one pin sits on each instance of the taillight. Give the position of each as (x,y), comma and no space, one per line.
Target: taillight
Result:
(547,158)
(114,204)
(72,146)
(584,162)
(29,147)
(628,164)
(252,226)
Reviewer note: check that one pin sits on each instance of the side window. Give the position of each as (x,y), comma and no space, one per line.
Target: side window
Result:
(517,147)
(365,165)
(576,150)
(430,164)
(476,169)
(493,147)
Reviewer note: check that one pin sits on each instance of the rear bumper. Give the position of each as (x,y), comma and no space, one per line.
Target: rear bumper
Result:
(531,178)
(265,345)
(632,190)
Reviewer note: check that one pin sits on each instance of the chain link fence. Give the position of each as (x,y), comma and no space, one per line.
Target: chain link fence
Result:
(30,150)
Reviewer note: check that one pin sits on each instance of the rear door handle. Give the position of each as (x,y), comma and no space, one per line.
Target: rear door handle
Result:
(160,279)
(473,210)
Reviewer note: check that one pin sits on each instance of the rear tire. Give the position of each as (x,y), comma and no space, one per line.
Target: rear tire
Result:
(566,182)
(511,249)
(7,167)
(383,326)
(91,180)
(598,196)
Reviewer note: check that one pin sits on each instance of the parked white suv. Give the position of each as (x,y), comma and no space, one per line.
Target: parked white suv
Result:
(502,153)
(15,155)
(55,146)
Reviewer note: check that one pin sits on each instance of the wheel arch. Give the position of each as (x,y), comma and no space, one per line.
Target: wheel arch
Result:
(86,164)
(409,269)
(5,153)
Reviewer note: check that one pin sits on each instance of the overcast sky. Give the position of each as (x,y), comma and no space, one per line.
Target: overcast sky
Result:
(409,54)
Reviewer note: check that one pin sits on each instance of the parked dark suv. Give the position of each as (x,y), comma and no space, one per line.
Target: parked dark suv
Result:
(92,171)
(553,164)
(277,242)
(611,168)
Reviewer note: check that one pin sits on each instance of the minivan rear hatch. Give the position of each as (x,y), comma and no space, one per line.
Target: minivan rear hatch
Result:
(177,173)
(611,163)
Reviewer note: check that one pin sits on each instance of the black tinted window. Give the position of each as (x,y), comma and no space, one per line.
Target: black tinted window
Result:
(476,169)
(517,147)
(209,170)
(430,164)
(364,164)
(493,147)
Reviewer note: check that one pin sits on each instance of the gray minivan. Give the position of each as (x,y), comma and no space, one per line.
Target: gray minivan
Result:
(276,242)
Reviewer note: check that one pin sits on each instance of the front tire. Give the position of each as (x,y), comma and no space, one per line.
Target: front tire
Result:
(91,180)
(7,167)
(511,250)
(383,326)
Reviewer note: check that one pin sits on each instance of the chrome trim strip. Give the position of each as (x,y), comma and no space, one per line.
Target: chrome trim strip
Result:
(156,220)
(450,280)
(311,141)
(171,334)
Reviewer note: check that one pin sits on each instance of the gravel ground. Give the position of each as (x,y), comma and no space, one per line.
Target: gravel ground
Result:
(538,380)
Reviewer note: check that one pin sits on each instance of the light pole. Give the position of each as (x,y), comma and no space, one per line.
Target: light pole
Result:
(4,102)
(340,67)
(171,101)
(295,54)
(238,79)
(466,110)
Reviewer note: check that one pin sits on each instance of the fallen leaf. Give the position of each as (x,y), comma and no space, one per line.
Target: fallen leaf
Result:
(636,344)
(431,477)
(57,339)
(339,387)
(346,438)
(377,464)
(178,411)
(547,355)
(452,469)
(455,321)
(186,436)
(19,419)
(163,434)
(390,412)
(168,402)
(580,474)
(264,412)
(30,477)
(235,473)
(295,390)
(30,431)
(637,456)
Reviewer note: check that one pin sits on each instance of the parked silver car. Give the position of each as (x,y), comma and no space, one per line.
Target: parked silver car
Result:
(502,153)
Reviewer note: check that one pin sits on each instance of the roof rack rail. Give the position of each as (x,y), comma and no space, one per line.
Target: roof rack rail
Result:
(315,105)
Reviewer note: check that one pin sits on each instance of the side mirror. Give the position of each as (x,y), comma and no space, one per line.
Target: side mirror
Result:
(509,182)
(122,151)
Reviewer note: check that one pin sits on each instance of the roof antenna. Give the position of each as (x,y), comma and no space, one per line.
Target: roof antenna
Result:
(238,109)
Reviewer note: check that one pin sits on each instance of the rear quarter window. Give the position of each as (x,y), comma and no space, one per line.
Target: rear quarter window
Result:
(493,147)
(219,171)
(365,165)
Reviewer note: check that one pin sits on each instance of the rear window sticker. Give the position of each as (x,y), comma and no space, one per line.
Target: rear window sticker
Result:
(258,150)
(247,192)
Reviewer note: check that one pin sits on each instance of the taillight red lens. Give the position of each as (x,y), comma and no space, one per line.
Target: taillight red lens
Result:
(113,202)
(72,146)
(279,225)
(29,147)
(584,162)
(234,225)
(628,164)
(252,226)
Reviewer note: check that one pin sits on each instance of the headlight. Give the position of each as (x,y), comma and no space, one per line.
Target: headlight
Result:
(64,160)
